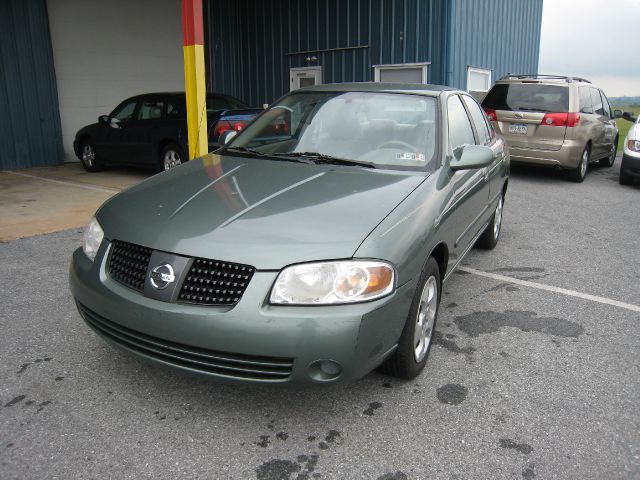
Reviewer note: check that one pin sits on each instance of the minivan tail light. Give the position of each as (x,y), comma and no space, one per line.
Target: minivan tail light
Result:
(560,119)
(491,114)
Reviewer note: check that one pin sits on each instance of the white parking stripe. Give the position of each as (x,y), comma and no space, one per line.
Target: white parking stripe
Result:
(549,288)
(69,184)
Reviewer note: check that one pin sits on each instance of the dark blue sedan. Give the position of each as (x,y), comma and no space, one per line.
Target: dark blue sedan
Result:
(150,130)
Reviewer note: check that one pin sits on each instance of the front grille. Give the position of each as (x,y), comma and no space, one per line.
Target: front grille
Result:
(194,358)
(128,264)
(212,282)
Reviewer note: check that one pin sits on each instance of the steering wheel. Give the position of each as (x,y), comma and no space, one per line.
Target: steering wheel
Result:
(398,143)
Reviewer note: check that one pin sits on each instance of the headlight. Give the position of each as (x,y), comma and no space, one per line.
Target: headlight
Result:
(633,145)
(327,283)
(93,236)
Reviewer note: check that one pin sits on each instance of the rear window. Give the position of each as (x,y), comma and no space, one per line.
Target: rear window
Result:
(528,97)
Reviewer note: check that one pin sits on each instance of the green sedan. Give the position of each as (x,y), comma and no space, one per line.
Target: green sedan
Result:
(312,248)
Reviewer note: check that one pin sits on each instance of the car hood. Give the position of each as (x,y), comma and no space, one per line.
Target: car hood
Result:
(260,212)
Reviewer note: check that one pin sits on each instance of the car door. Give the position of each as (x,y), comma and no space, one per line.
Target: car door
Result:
(610,127)
(142,134)
(470,187)
(487,137)
(109,144)
(599,144)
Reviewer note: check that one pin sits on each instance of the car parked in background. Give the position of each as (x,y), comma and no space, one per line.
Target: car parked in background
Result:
(150,130)
(630,166)
(306,254)
(553,120)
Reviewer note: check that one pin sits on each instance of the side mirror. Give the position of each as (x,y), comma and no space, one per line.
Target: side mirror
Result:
(617,114)
(103,119)
(114,123)
(629,117)
(471,156)
(227,136)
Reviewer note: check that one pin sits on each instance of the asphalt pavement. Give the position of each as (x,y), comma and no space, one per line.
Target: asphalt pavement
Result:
(523,382)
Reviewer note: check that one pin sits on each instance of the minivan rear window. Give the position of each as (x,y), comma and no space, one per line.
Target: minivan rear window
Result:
(528,97)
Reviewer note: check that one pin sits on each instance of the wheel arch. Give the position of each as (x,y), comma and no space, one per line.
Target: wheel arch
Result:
(441,255)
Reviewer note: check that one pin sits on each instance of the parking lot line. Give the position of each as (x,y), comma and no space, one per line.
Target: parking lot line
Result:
(70,184)
(550,288)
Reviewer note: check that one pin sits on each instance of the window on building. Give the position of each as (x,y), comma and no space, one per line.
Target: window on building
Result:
(478,79)
(401,73)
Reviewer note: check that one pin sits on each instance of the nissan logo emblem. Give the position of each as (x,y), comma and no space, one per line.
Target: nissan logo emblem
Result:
(162,276)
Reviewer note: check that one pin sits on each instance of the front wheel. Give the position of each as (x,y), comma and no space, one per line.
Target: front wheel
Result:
(579,173)
(88,157)
(415,342)
(170,157)
(489,238)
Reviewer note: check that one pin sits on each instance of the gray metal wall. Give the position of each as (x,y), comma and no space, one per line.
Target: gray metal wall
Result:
(498,35)
(30,132)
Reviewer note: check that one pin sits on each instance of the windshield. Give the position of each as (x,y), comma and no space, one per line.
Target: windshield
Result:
(528,97)
(382,130)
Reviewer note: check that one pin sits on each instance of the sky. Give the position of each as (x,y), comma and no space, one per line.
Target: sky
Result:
(595,39)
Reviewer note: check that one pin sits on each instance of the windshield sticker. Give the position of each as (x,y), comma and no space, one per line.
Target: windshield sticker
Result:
(416,157)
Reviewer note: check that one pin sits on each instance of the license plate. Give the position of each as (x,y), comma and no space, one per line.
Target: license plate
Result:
(518,128)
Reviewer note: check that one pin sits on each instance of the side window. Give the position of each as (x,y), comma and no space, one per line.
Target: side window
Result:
(460,132)
(150,109)
(124,111)
(605,104)
(479,120)
(175,109)
(598,109)
(586,105)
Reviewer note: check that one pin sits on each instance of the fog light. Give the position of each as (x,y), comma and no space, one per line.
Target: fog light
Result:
(324,370)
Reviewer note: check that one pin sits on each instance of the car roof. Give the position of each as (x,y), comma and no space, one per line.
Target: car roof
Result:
(414,88)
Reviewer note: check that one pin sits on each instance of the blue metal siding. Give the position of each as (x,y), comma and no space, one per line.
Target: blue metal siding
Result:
(252,45)
(30,132)
(499,35)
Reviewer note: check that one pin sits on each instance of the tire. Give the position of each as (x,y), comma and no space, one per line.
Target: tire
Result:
(579,173)
(611,159)
(414,346)
(489,238)
(88,157)
(171,156)
(625,179)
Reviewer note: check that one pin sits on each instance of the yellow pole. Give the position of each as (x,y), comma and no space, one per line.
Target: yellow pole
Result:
(194,77)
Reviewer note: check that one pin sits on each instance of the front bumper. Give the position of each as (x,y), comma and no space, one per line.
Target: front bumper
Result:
(567,157)
(250,334)
(630,165)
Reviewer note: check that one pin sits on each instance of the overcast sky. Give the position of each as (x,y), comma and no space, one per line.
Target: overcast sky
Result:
(595,39)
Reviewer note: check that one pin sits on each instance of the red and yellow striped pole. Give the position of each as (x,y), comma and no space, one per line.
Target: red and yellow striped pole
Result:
(194,80)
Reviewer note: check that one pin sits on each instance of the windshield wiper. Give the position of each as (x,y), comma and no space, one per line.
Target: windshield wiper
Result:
(317,157)
(245,150)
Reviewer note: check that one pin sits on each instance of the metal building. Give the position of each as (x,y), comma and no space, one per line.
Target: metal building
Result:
(257,50)
(65,62)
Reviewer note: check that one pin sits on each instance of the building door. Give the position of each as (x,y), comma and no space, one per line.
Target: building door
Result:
(304,77)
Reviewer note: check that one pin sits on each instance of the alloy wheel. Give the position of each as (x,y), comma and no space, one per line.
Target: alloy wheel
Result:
(88,155)
(171,159)
(497,219)
(425,318)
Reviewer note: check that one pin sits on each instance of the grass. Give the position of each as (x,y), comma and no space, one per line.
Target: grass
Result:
(624,125)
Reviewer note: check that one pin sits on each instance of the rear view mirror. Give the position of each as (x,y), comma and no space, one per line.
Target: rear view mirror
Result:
(104,119)
(617,114)
(471,156)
